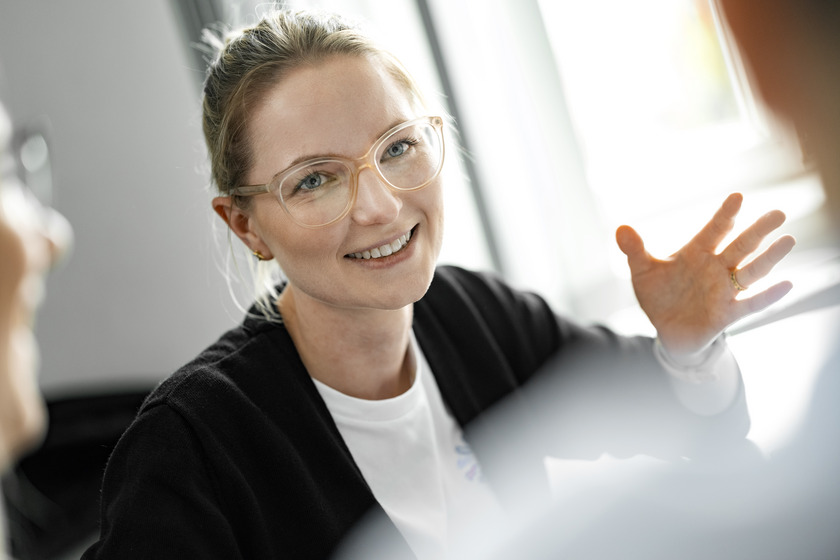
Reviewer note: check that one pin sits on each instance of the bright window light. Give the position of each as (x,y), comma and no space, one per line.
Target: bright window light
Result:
(661,118)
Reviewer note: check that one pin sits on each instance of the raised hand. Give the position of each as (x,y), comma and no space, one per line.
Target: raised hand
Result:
(690,297)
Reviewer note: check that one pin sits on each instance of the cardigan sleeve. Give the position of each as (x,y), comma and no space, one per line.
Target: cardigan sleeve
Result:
(159,499)
(527,383)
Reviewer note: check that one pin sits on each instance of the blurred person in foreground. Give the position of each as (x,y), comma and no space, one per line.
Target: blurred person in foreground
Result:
(792,48)
(32,238)
(786,505)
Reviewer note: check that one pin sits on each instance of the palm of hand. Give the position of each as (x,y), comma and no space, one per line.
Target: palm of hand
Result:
(689,297)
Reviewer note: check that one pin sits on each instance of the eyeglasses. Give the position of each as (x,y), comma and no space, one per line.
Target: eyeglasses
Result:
(26,167)
(321,191)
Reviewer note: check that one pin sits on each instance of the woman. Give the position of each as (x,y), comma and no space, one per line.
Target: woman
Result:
(348,388)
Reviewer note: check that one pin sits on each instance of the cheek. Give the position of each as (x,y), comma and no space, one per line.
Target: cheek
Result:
(13,269)
(296,249)
(438,192)
(430,201)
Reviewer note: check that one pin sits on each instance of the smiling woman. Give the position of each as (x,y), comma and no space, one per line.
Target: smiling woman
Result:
(323,285)
(350,390)
(341,121)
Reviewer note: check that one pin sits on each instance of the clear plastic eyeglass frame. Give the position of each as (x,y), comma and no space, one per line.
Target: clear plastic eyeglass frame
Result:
(367,161)
(26,185)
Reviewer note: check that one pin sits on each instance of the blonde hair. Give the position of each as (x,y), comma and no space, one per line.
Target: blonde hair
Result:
(246,64)
(252,60)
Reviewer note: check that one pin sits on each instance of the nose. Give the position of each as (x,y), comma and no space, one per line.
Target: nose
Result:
(58,234)
(376,202)
(45,234)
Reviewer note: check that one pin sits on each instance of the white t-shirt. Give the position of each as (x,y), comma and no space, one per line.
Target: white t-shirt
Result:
(413,455)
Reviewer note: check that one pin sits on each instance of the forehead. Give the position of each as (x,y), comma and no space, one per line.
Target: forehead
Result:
(7,164)
(334,107)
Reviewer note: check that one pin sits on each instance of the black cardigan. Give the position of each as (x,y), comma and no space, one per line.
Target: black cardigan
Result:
(237,456)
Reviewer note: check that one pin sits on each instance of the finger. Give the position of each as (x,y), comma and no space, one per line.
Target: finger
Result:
(749,239)
(759,267)
(761,300)
(631,244)
(721,223)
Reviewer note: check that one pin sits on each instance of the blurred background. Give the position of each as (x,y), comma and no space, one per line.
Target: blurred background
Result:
(574,118)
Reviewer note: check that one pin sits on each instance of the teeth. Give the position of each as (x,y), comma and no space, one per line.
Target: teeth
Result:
(384,250)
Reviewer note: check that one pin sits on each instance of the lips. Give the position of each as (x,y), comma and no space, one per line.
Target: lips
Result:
(384,250)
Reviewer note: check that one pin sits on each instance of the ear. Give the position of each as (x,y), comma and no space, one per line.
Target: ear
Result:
(241,223)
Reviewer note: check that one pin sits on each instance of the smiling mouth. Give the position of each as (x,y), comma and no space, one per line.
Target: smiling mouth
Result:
(386,250)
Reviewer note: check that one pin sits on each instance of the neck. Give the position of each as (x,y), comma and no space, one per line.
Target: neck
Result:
(363,353)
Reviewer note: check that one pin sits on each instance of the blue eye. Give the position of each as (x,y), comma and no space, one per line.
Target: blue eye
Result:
(311,181)
(399,148)
(314,179)
(396,149)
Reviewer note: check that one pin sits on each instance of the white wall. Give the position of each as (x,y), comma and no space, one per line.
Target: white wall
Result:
(141,293)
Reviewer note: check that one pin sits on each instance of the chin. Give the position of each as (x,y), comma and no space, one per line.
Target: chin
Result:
(409,293)
(410,290)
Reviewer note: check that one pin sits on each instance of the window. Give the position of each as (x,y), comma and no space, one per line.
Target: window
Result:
(587,115)
(663,113)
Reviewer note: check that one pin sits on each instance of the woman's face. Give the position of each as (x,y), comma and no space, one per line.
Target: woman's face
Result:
(340,107)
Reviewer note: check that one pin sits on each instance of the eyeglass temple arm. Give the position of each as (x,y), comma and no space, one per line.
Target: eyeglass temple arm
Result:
(249,190)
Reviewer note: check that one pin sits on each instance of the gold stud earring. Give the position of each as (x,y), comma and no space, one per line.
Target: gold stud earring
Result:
(259,256)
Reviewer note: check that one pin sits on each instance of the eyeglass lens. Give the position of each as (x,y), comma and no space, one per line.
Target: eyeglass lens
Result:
(34,161)
(316,193)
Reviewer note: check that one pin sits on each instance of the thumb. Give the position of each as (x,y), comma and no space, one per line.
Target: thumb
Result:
(630,242)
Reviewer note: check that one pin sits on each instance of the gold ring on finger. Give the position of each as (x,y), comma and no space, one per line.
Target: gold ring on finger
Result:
(737,285)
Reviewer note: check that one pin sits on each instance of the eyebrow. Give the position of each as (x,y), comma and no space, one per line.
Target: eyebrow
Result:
(303,158)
